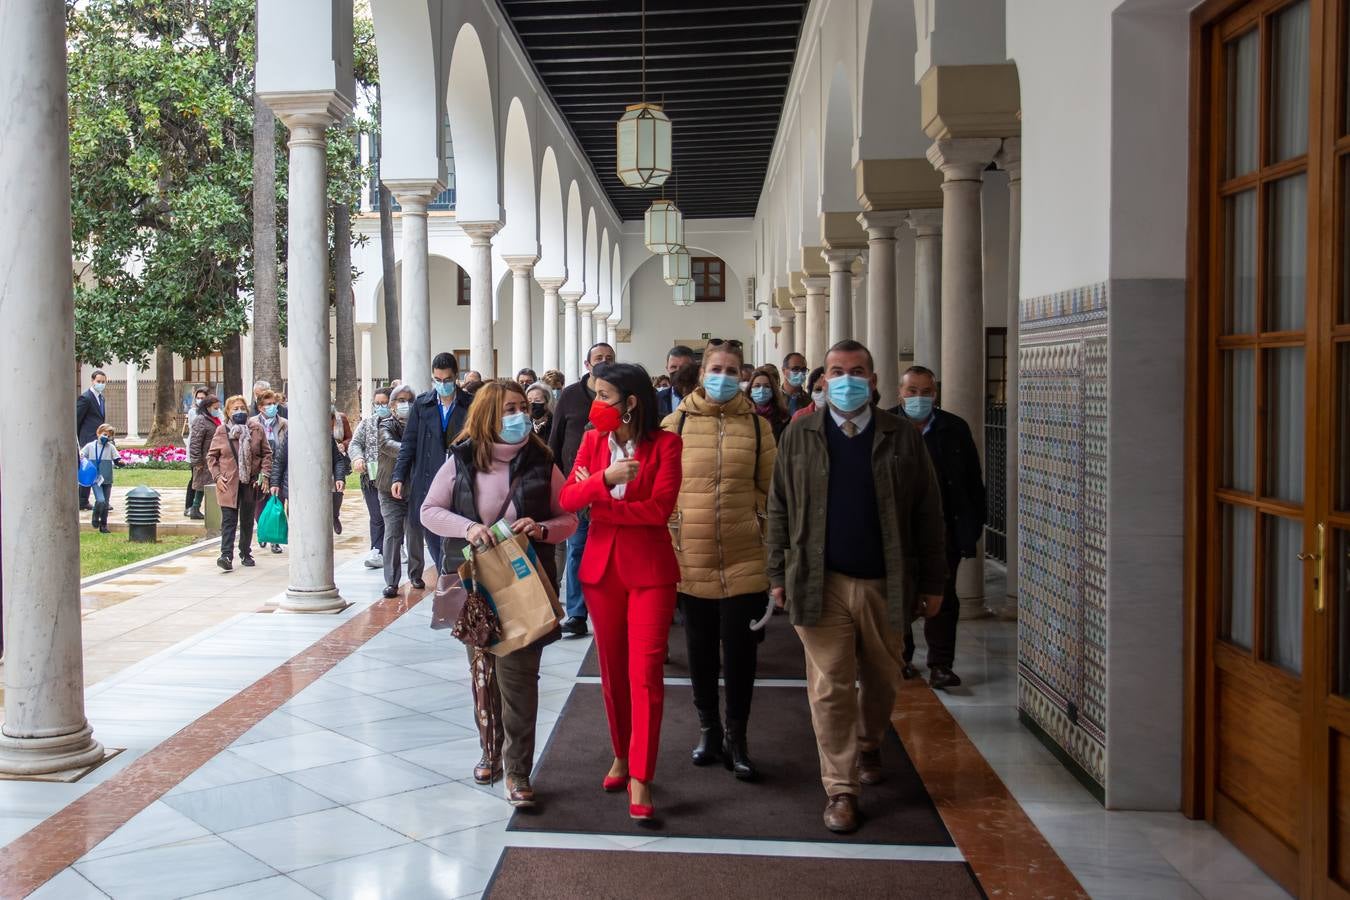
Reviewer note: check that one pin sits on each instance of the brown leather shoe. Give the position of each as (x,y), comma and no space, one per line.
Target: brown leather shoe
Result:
(487,771)
(518,791)
(841,814)
(869,767)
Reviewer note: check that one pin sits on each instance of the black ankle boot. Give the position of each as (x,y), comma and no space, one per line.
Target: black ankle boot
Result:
(735,755)
(709,748)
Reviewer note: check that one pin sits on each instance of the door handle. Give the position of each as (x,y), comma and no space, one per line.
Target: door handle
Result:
(1319,574)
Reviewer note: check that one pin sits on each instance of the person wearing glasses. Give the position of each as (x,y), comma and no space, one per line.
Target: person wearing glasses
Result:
(433,421)
(627,473)
(795,373)
(728,460)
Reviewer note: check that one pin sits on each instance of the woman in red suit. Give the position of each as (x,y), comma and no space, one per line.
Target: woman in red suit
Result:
(628,472)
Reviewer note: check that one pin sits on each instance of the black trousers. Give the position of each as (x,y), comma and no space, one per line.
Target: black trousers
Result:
(940,631)
(710,625)
(371,495)
(240,517)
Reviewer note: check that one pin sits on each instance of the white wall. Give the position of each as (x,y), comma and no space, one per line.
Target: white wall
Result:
(658,324)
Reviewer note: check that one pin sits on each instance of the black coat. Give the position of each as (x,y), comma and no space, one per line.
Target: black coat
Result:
(280,476)
(424,446)
(957,461)
(89,414)
(571,418)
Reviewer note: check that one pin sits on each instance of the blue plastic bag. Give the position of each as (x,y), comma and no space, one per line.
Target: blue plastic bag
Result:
(88,472)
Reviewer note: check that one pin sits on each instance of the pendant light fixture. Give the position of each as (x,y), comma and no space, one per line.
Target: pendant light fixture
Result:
(664,227)
(644,135)
(676,267)
(684,294)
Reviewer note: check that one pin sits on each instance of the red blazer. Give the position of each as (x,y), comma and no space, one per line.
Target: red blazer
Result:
(638,523)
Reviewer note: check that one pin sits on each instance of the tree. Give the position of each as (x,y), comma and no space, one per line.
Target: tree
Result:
(348,397)
(266,322)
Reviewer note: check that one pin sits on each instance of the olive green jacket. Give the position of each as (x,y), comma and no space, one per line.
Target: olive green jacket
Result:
(908,500)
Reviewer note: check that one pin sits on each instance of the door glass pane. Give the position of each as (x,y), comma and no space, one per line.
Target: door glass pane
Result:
(1284,423)
(1239,574)
(1243,74)
(1338,569)
(1287,261)
(1289,90)
(1240,266)
(1342,438)
(1239,446)
(1345,237)
(1284,592)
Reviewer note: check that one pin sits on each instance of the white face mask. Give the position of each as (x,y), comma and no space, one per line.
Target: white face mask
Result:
(818,398)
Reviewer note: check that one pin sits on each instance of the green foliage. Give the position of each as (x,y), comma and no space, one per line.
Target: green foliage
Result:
(161,123)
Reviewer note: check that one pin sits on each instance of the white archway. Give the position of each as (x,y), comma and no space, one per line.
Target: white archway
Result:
(469,105)
(603,292)
(552,223)
(521,234)
(592,259)
(576,245)
(838,191)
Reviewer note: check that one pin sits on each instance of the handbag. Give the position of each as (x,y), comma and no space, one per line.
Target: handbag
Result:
(477,625)
(450,598)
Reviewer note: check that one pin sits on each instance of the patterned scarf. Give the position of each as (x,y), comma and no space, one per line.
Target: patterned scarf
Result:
(239,436)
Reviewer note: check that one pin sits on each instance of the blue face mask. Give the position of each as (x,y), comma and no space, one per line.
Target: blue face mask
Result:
(918,407)
(270,410)
(98,387)
(848,393)
(443,388)
(514,428)
(761,395)
(381,410)
(796,379)
(103,439)
(721,387)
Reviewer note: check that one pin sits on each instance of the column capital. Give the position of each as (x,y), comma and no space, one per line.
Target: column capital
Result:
(413,195)
(881,224)
(1009,158)
(963,159)
(311,109)
(550,282)
(522,264)
(480,233)
(570,297)
(816,284)
(925,222)
(840,260)
(798,303)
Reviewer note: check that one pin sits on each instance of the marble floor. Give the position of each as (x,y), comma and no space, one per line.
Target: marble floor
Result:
(358,785)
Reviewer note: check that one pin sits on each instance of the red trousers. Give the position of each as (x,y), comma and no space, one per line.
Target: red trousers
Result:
(631,627)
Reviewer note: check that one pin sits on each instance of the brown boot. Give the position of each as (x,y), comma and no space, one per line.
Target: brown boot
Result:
(518,791)
(841,814)
(487,771)
(869,767)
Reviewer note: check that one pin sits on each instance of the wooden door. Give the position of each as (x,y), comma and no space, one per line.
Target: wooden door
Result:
(1272,332)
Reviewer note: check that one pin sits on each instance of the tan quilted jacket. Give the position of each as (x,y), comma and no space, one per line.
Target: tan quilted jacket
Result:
(717,526)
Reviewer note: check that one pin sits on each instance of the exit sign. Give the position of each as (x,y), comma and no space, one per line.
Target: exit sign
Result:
(707,335)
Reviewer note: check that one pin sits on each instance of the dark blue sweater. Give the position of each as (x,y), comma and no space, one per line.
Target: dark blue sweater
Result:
(853,544)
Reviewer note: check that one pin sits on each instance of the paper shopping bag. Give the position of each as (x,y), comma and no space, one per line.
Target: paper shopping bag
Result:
(527,607)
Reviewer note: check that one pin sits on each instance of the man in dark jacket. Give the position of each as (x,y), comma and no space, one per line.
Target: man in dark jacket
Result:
(957,461)
(90,413)
(795,373)
(570,422)
(668,398)
(851,543)
(436,418)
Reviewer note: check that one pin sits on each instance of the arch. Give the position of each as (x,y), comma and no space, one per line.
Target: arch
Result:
(521,234)
(552,222)
(838,189)
(808,235)
(729,275)
(473,130)
(889,115)
(616,288)
(576,245)
(604,295)
(592,261)
(410,104)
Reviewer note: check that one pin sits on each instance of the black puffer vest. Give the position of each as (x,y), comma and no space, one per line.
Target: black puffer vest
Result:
(532,472)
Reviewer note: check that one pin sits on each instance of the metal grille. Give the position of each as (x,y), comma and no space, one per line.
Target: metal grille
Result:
(995,476)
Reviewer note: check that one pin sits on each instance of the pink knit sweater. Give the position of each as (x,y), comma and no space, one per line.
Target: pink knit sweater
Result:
(491,490)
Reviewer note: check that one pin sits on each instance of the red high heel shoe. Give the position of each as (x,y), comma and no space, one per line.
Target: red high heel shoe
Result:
(639,812)
(615,783)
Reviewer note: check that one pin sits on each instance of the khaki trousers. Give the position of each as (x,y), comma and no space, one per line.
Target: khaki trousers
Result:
(852,673)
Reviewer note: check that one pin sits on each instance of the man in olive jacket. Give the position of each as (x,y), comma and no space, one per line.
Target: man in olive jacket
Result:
(855,531)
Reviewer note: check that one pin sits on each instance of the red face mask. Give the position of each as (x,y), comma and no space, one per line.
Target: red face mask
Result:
(604,417)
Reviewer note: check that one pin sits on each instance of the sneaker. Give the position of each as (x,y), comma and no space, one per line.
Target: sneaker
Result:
(247,561)
(375,560)
(225,564)
(276,548)
(575,626)
(942,677)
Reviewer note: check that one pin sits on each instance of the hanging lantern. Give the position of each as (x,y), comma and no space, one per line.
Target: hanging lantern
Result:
(664,227)
(684,294)
(676,267)
(644,159)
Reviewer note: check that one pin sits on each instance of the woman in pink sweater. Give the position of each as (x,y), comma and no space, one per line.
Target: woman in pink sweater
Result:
(499,469)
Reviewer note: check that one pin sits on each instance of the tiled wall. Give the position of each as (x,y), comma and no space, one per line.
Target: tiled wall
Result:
(1062,503)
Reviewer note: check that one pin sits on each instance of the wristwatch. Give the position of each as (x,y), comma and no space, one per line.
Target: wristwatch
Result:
(543,532)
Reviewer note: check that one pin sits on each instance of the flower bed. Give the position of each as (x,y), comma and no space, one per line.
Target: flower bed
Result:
(155,457)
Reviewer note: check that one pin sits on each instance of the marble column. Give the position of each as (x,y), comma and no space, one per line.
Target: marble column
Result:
(927,225)
(522,330)
(481,357)
(817,328)
(134,401)
(787,339)
(367,369)
(799,327)
(571,355)
(882,329)
(549,358)
(612,336)
(962,163)
(309,439)
(1010,160)
(414,314)
(586,332)
(841,294)
(859,314)
(45,729)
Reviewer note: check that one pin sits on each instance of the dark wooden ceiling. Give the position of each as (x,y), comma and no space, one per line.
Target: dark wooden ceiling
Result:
(721,69)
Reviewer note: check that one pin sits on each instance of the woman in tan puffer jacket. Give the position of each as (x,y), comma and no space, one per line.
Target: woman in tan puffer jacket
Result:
(729,454)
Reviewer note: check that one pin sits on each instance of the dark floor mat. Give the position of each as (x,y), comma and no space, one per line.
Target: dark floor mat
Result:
(780,656)
(620,875)
(785,805)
